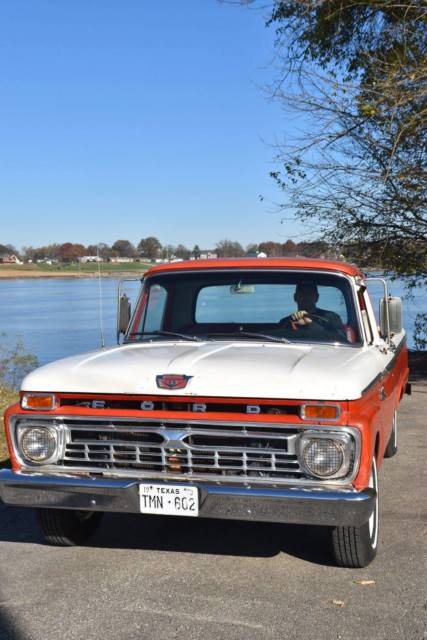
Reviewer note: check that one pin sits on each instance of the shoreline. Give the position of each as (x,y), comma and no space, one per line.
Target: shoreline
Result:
(19,275)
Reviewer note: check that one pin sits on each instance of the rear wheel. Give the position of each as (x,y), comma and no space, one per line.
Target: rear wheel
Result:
(391,448)
(67,528)
(356,547)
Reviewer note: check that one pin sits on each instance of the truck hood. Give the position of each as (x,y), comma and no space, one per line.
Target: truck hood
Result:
(222,369)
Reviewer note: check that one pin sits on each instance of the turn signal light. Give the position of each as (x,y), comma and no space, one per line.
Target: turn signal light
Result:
(38,401)
(320,412)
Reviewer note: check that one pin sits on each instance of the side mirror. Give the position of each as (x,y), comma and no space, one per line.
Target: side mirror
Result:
(390,316)
(123,314)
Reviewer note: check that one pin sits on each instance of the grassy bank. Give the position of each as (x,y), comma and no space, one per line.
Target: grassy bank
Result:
(73,269)
(7,397)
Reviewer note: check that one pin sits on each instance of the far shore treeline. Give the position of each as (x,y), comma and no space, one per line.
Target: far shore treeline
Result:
(151,249)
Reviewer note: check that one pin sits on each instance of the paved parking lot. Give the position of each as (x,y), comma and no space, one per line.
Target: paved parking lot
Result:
(163,578)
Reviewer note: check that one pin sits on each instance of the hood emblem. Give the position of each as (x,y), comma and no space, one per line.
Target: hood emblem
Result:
(172,381)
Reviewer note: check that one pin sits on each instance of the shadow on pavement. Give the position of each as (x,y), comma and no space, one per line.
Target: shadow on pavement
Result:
(8,629)
(163,533)
(417,366)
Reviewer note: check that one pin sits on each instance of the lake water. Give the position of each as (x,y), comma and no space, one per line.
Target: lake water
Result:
(58,317)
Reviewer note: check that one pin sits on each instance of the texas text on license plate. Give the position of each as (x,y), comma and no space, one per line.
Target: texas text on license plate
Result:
(169,499)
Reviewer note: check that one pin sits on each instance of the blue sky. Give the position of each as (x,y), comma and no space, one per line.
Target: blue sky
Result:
(129,118)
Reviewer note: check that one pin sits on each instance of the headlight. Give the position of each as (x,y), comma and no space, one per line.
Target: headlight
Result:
(324,455)
(38,444)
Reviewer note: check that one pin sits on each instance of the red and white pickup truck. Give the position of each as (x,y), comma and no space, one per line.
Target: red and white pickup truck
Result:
(251,389)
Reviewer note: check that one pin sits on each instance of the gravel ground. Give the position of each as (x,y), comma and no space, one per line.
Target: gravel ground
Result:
(165,578)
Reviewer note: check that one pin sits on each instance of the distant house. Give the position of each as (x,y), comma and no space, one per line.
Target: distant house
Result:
(10,259)
(205,254)
(46,261)
(122,259)
(85,259)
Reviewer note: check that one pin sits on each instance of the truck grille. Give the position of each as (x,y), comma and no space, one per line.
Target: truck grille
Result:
(197,449)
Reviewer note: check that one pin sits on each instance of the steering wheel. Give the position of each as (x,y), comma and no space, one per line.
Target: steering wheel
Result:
(329,325)
(325,323)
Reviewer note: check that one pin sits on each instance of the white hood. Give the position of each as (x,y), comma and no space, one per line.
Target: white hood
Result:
(223,369)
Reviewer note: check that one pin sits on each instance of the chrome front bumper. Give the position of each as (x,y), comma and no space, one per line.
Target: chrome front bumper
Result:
(298,505)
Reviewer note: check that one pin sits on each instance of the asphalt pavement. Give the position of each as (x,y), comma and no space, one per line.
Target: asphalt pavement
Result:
(150,578)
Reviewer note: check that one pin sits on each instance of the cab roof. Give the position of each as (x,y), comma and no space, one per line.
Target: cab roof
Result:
(258,263)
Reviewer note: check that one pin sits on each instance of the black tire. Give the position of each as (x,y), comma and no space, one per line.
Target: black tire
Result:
(391,448)
(67,528)
(356,547)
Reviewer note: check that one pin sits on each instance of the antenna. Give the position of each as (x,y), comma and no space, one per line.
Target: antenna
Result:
(101,327)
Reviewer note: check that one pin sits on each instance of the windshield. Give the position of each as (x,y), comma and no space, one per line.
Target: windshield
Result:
(246,305)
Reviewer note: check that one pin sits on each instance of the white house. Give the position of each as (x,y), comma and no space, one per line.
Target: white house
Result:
(121,259)
(205,254)
(85,259)
(10,259)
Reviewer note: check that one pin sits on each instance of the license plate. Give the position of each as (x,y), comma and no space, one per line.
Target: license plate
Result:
(169,499)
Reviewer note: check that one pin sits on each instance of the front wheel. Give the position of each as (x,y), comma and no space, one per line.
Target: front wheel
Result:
(68,528)
(356,547)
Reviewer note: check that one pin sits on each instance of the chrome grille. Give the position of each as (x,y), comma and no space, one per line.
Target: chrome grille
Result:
(199,449)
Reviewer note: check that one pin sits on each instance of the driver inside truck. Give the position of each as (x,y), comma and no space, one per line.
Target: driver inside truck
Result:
(306,296)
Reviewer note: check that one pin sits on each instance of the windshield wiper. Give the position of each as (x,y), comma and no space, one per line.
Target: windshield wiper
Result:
(184,336)
(249,334)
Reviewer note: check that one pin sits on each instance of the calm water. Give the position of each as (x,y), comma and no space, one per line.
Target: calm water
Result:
(58,317)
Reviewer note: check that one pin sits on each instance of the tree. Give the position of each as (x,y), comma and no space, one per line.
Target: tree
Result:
(15,362)
(315,249)
(182,252)
(69,252)
(39,253)
(51,251)
(101,249)
(196,252)
(359,171)
(289,248)
(167,252)
(104,250)
(27,253)
(229,249)
(149,247)
(270,248)
(124,249)
(356,72)
(251,249)
(8,249)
